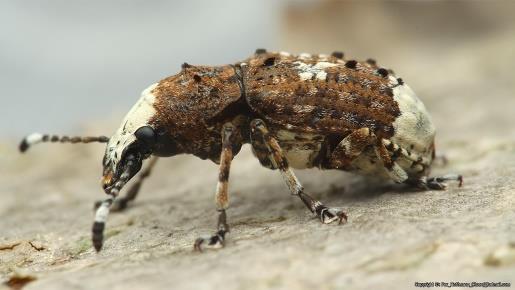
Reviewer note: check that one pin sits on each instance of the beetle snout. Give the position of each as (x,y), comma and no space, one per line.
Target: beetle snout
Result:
(107,180)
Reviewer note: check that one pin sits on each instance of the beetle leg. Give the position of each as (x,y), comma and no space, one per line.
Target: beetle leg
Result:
(121,203)
(393,170)
(222,202)
(350,147)
(325,214)
(438,182)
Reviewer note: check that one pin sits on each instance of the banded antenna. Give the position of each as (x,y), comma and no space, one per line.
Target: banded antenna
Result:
(36,138)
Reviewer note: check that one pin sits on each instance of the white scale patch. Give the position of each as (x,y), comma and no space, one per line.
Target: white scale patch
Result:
(307,71)
(138,116)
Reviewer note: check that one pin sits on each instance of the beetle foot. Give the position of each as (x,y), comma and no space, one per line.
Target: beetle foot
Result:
(328,215)
(438,183)
(216,241)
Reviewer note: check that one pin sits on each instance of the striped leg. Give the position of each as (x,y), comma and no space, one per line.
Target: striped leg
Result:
(324,213)
(350,147)
(393,169)
(222,201)
(103,210)
(121,203)
(438,182)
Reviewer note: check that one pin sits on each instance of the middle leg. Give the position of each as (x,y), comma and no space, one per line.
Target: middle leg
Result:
(324,213)
(222,201)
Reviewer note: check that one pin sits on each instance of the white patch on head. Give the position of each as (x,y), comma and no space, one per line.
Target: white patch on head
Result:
(414,126)
(138,116)
(307,71)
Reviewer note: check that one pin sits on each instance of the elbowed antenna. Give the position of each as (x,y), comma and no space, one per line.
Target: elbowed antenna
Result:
(36,138)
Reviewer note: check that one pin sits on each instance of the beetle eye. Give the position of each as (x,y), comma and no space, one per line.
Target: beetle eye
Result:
(146,135)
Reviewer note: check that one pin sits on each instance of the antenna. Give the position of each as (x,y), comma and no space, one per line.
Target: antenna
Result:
(36,138)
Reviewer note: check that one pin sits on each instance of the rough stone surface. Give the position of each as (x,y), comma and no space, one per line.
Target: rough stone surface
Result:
(395,236)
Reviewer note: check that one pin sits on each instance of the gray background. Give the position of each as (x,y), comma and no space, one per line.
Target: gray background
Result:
(67,63)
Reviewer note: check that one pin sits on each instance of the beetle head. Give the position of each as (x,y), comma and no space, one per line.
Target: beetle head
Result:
(133,142)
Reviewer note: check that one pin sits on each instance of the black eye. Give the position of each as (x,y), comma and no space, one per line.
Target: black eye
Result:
(146,135)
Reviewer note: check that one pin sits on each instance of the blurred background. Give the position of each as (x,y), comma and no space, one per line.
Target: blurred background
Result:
(64,63)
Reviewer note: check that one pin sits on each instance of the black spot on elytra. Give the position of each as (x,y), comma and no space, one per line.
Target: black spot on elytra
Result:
(260,51)
(400,81)
(269,61)
(383,72)
(337,54)
(185,65)
(197,78)
(351,64)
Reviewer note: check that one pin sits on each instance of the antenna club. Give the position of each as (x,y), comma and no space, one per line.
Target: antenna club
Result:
(29,140)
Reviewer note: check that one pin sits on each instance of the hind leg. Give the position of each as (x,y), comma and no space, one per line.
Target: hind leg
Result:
(275,153)
(349,148)
(388,152)
(438,182)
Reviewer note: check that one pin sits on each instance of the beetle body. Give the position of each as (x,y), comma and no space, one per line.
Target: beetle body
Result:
(300,111)
(310,104)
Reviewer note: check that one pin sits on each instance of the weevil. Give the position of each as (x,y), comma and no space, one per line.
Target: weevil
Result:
(296,111)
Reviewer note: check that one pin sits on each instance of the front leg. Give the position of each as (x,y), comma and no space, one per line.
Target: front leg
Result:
(324,213)
(222,201)
(121,203)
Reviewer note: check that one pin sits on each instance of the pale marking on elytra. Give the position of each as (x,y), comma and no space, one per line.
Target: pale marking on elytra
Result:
(304,55)
(307,71)
(414,125)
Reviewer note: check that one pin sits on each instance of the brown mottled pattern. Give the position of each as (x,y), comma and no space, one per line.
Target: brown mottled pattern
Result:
(347,99)
(186,102)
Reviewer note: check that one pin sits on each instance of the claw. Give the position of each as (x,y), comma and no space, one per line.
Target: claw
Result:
(438,183)
(214,242)
(328,215)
